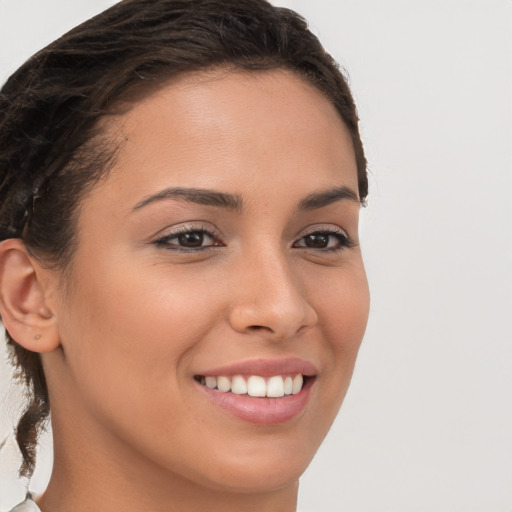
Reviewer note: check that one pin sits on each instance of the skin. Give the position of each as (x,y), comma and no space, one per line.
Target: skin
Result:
(133,320)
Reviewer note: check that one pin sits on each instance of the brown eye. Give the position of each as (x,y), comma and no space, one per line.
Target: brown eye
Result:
(324,241)
(191,239)
(317,240)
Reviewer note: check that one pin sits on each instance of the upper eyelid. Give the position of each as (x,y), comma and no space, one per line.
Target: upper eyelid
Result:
(188,228)
(322,228)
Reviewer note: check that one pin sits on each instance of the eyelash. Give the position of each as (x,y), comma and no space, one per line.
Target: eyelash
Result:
(186,230)
(344,241)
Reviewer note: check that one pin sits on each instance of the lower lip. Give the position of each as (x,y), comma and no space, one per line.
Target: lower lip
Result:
(261,411)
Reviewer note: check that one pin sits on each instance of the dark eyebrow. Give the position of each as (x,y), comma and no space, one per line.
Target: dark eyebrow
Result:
(327,197)
(195,195)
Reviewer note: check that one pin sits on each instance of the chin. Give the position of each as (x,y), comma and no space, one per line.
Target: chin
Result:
(268,469)
(257,478)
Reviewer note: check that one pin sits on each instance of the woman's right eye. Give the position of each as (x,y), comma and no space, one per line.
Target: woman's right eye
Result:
(189,239)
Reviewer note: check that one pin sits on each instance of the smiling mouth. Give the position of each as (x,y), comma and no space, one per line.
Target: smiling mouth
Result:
(275,386)
(260,391)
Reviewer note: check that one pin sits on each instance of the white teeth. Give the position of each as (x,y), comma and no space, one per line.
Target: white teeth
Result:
(297,384)
(288,386)
(275,387)
(211,382)
(239,386)
(223,384)
(256,386)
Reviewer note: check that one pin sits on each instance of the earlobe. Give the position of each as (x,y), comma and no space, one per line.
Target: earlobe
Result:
(23,307)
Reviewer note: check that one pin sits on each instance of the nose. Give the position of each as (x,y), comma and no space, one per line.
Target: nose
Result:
(269,301)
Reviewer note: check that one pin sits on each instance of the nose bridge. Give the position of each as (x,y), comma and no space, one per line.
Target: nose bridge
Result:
(270,298)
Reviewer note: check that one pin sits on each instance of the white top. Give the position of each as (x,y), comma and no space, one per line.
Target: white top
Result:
(27,506)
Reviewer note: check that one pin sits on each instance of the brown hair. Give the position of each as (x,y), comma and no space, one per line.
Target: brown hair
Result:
(51,152)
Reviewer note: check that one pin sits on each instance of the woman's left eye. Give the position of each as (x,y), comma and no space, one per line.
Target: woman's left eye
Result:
(189,239)
(324,241)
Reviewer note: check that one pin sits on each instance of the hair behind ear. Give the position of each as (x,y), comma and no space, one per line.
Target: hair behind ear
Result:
(28,330)
(33,420)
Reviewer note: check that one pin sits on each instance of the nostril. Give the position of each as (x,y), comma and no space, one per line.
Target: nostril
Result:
(259,328)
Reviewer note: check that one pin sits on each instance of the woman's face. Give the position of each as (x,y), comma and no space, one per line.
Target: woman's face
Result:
(221,250)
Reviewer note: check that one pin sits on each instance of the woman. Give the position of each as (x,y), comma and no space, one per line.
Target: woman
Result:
(180,275)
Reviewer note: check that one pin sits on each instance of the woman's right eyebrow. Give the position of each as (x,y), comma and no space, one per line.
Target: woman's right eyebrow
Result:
(195,195)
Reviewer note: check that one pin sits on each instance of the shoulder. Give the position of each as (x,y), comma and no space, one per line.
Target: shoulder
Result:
(26,506)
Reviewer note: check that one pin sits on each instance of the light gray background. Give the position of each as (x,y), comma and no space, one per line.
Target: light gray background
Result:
(427,424)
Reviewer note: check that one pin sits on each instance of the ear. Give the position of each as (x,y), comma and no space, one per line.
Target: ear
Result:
(24,287)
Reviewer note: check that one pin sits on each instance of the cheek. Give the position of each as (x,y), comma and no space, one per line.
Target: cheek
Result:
(126,325)
(342,306)
(137,319)
(135,326)
(128,338)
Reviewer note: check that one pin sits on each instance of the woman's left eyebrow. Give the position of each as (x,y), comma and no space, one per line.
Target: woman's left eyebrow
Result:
(318,200)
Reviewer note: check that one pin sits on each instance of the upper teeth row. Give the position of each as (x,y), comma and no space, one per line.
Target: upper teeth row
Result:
(255,385)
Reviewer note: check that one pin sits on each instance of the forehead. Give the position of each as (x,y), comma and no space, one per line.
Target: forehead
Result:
(220,128)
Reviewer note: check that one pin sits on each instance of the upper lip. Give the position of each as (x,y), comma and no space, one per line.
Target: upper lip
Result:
(265,368)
